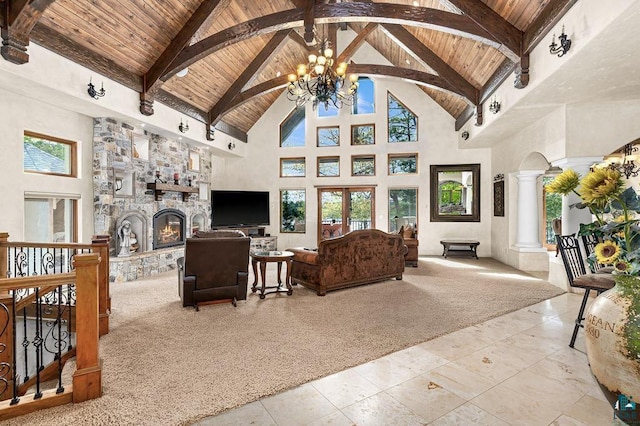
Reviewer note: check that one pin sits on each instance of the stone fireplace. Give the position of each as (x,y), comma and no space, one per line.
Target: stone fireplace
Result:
(169,228)
(124,155)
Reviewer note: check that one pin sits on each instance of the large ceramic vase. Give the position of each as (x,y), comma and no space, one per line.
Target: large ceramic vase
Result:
(612,333)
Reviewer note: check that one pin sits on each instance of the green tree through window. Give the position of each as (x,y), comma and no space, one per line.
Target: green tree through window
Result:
(292,210)
(403,124)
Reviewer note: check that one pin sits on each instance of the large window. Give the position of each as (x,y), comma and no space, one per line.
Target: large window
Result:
(50,219)
(328,166)
(292,167)
(49,155)
(403,208)
(403,124)
(329,136)
(403,164)
(292,129)
(363,165)
(365,97)
(292,210)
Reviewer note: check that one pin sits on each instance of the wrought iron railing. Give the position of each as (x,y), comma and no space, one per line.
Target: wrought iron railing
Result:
(42,318)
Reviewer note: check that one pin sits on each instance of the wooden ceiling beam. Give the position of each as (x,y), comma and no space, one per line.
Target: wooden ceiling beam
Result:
(418,77)
(151,80)
(309,22)
(355,44)
(332,13)
(508,35)
(416,49)
(258,63)
(18,19)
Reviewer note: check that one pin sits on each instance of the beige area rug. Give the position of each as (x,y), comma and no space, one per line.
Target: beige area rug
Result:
(168,365)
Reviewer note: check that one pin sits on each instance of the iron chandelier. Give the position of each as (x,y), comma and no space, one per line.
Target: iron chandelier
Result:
(318,82)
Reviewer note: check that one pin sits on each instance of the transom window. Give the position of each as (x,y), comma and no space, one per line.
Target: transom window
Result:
(292,129)
(403,164)
(49,155)
(403,124)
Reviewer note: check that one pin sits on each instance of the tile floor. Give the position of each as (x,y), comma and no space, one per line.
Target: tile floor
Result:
(516,369)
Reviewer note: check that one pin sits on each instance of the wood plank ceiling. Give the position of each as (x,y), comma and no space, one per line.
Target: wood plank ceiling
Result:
(238,52)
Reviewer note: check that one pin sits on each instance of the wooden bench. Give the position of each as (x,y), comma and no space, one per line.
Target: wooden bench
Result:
(463,247)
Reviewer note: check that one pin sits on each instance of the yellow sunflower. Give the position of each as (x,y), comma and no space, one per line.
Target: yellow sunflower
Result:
(565,183)
(607,252)
(600,185)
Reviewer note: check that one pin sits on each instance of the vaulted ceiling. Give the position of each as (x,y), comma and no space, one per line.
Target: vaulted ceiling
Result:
(238,52)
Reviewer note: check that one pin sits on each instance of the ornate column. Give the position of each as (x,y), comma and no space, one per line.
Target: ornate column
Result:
(573,217)
(528,236)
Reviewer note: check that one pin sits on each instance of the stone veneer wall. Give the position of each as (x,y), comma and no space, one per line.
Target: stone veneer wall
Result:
(113,150)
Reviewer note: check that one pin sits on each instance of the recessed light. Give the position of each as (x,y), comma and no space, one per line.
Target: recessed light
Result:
(278,74)
(179,138)
(142,124)
(407,61)
(182,72)
(415,3)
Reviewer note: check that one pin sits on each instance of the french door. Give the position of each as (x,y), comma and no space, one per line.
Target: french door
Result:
(342,210)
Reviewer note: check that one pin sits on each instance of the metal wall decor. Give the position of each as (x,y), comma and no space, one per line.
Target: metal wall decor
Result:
(464,135)
(494,106)
(183,127)
(563,48)
(95,94)
(498,195)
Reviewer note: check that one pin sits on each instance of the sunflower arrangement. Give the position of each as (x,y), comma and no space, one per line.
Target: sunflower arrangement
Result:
(614,206)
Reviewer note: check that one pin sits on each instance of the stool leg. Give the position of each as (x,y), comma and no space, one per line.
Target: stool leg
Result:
(579,318)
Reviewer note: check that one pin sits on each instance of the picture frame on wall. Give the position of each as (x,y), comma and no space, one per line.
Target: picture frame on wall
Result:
(498,198)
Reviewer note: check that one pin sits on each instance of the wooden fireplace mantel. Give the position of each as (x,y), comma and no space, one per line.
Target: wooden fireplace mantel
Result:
(160,188)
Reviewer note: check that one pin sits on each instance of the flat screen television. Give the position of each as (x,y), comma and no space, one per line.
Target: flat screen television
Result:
(235,208)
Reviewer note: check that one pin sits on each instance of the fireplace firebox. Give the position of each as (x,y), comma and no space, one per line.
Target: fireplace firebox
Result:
(169,226)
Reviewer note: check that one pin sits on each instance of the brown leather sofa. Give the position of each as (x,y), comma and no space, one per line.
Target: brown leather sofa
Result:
(356,258)
(215,267)
(410,236)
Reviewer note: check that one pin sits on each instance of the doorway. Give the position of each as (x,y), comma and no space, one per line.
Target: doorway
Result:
(343,210)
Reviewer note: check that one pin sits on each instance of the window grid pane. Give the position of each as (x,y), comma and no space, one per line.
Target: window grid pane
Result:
(292,167)
(403,124)
(403,164)
(363,166)
(328,166)
(292,129)
(48,155)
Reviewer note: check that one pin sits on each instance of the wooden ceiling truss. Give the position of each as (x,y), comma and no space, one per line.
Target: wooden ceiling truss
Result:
(471,19)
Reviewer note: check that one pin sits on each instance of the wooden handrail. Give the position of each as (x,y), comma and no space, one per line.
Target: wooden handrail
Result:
(77,246)
(87,379)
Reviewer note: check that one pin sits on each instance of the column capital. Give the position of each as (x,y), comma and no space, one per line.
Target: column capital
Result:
(527,174)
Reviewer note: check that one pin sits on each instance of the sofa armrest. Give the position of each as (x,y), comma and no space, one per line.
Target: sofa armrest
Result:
(186,287)
(243,281)
(304,255)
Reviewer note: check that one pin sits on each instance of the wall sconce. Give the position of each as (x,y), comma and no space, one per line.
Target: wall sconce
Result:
(565,44)
(465,135)
(494,106)
(231,146)
(95,94)
(211,135)
(184,128)
(118,184)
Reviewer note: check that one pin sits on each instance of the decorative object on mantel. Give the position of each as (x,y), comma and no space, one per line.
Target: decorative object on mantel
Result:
(158,178)
(494,106)
(95,94)
(563,48)
(184,127)
(613,319)
(189,180)
(623,160)
(176,178)
(231,146)
(464,135)
(498,177)
(318,82)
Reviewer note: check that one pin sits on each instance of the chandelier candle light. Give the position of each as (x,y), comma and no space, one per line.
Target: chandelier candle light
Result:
(319,82)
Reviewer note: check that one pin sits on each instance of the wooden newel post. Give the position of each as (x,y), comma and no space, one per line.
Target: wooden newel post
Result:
(100,245)
(87,379)
(4,254)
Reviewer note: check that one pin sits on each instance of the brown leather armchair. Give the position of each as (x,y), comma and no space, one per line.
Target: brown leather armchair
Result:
(215,266)
(410,237)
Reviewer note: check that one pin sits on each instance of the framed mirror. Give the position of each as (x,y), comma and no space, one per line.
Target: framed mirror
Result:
(455,193)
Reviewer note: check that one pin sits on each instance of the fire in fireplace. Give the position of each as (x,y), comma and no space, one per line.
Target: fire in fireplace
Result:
(168,228)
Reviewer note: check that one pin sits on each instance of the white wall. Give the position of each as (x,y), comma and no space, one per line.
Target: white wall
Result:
(17,114)
(436,145)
